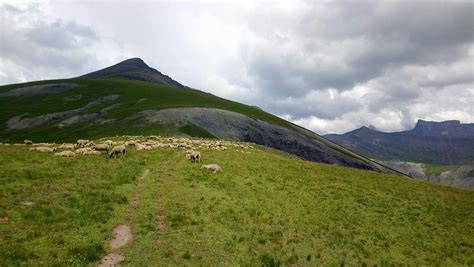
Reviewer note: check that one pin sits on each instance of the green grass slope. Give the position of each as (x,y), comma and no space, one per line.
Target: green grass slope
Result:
(152,96)
(264,208)
(134,97)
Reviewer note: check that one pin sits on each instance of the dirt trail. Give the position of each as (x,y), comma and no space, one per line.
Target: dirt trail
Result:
(122,234)
(111,260)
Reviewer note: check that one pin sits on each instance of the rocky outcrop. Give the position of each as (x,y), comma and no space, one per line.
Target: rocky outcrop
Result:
(412,169)
(21,122)
(462,176)
(235,126)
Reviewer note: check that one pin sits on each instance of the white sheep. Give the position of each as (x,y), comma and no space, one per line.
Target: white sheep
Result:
(66,154)
(195,156)
(130,143)
(118,150)
(82,143)
(139,146)
(212,167)
(92,153)
(109,142)
(102,147)
(28,142)
(66,146)
(43,149)
(83,151)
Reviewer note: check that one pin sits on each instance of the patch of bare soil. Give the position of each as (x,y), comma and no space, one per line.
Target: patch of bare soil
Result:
(145,174)
(160,219)
(4,219)
(121,236)
(111,260)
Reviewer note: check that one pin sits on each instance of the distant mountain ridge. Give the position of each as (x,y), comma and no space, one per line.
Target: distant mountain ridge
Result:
(446,142)
(133,69)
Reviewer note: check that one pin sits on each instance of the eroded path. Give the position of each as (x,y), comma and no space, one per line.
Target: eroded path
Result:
(122,234)
(145,216)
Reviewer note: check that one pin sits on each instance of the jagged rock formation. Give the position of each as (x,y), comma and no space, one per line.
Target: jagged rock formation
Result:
(448,142)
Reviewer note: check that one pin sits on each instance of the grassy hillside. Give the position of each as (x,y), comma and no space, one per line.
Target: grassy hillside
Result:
(264,208)
(134,96)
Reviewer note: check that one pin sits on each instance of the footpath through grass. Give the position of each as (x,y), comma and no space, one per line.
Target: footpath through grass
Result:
(264,208)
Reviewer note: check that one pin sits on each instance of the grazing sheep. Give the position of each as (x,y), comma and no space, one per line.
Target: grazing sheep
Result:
(188,154)
(92,153)
(118,150)
(66,154)
(139,146)
(195,156)
(212,167)
(102,147)
(66,146)
(43,149)
(82,143)
(130,143)
(28,142)
(83,151)
(109,142)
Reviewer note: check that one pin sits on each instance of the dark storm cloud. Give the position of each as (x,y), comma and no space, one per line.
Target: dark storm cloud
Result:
(370,37)
(395,48)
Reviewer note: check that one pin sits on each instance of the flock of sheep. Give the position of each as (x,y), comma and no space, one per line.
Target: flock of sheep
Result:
(119,148)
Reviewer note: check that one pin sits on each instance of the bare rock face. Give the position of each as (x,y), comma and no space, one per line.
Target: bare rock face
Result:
(68,117)
(235,126)
(461,177)
(412,169)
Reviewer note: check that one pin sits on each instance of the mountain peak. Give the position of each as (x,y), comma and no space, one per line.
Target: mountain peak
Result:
(134,69)
(435,128)
(373,127)
(134,62)
(423,123)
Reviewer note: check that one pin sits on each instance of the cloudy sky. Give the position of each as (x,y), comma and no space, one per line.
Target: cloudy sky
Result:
(329,66)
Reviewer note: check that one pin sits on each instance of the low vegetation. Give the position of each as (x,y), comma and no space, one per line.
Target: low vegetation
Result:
(263,208)
(436,169)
